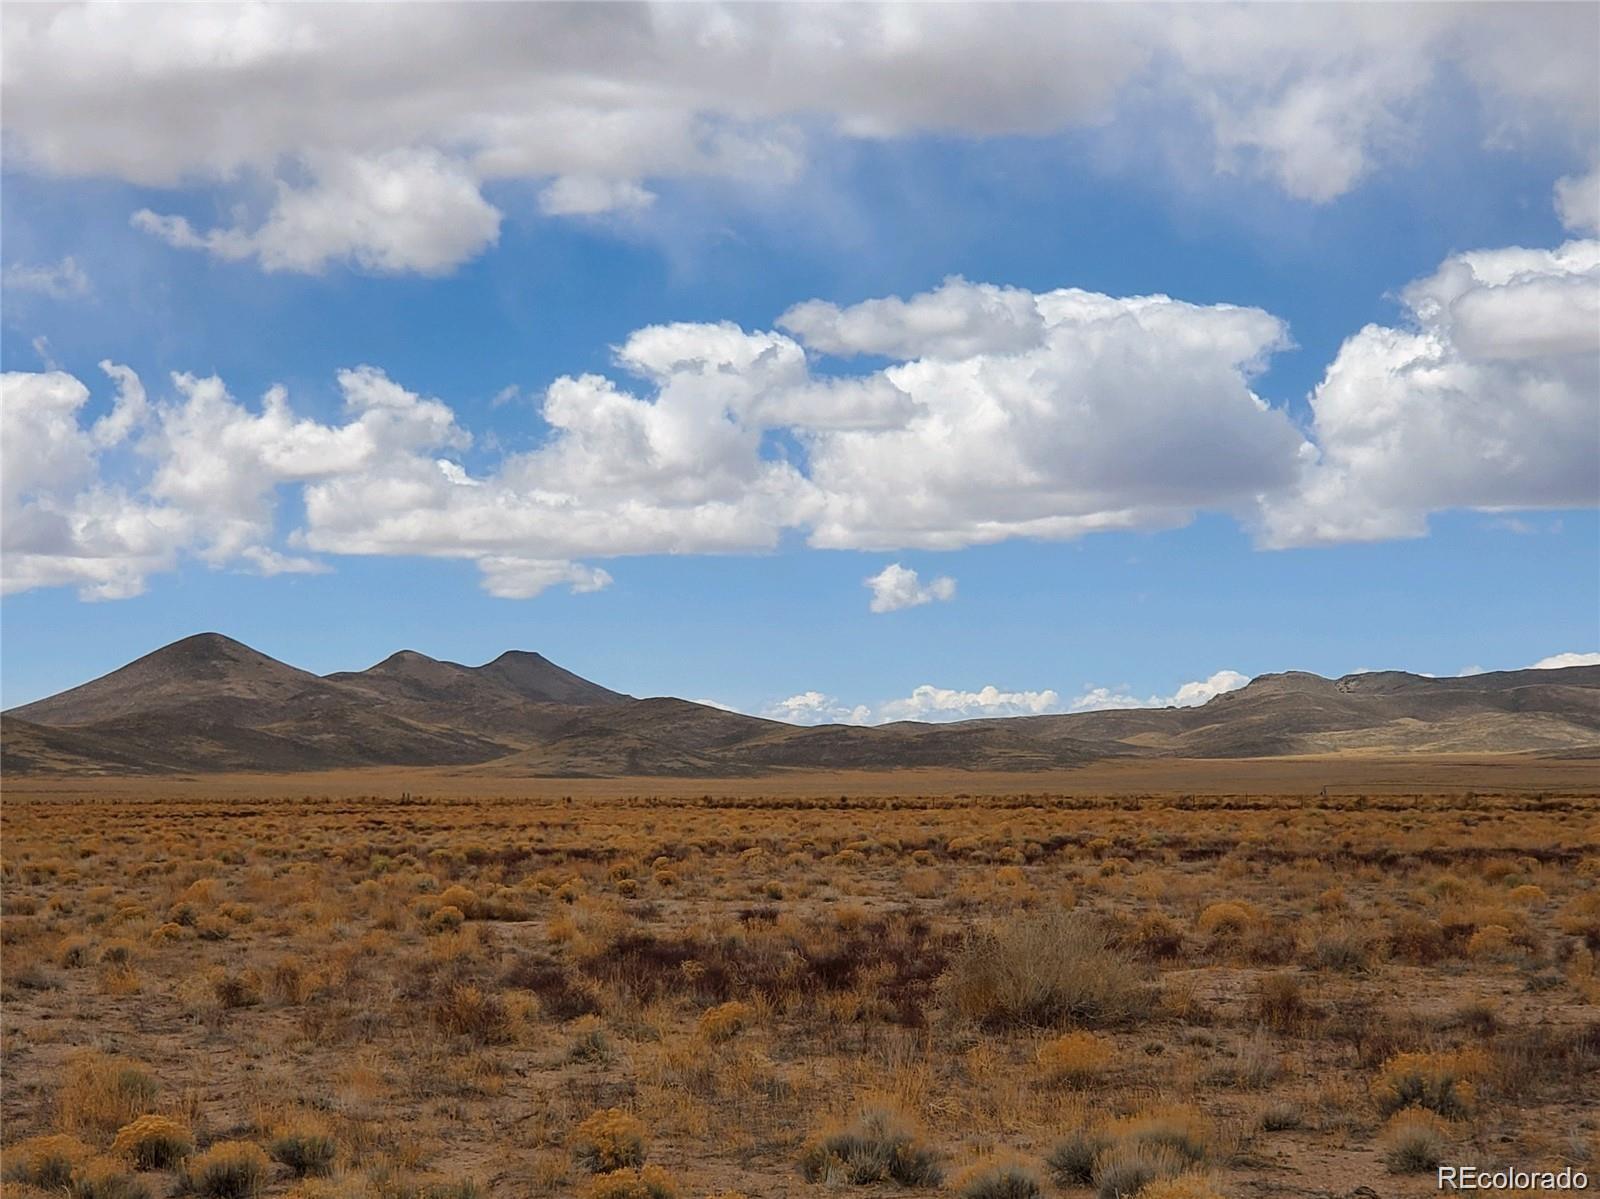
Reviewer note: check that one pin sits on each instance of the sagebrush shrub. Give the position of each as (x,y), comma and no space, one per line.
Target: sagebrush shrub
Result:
(1001,1180)
(1182,1129)
(229,1170)
(304,1149)
(46,1162)
(1414,1141)
(1440,1082)
(1128,1167)
(880,1145)
(1072,1160)
(107,1178)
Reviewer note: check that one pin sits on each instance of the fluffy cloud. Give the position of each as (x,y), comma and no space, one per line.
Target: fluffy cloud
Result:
(926,703)
(60,523)
(813,707)
(524,578)
(1560,661)
(895,587)
(590,103)
(64,280)
(929,703)
(1486,400)
(1091,413)
(1189,695)
(1003,413)
(938,704)
(958,320)
(407,210)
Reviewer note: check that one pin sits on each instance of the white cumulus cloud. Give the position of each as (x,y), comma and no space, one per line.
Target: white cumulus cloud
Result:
(1002,414)
(524,578)
(926,703)
(895,587)
(813,707)
(1561,661)
(1486,399)
(403,211)
(1189,695)
(930,703)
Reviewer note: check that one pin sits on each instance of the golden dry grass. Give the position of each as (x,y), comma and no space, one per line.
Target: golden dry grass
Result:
(677,993)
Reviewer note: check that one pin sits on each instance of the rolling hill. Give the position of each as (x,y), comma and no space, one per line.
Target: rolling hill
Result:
(209,703)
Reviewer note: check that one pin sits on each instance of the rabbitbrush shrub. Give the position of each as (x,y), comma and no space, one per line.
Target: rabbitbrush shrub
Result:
(153,1142)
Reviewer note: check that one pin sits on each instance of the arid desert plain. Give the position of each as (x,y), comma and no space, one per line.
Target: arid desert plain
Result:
(1304,976)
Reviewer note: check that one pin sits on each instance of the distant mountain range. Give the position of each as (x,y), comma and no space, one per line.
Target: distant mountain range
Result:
(208,703)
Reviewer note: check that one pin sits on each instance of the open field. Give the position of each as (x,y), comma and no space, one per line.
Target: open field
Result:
(1308,775)
(1097,979)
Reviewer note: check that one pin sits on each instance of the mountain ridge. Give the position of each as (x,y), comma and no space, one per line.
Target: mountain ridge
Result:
(209,703)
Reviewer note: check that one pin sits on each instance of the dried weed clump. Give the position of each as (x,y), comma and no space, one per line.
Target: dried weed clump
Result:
(101,1094)
(1047,970)
(1440,1082)
(724,1021)
(647,1182)
(1076,1058)
(1189,1185)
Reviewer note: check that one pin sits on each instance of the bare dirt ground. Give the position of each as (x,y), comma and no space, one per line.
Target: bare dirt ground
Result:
(1166,979)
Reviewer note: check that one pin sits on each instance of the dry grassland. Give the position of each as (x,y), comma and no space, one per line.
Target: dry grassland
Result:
(994,996)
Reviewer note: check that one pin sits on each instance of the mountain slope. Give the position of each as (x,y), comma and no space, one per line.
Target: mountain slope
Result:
(208,703)
(229,678)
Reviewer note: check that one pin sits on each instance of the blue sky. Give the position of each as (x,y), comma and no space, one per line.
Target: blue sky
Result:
(1117,513)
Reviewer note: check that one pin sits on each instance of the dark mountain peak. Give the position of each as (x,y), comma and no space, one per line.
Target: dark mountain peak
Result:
(1287,682)
(204,647)
(407,662)
(535,677)
(1382,682)
(204,655)
(200,669)
(514,658)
